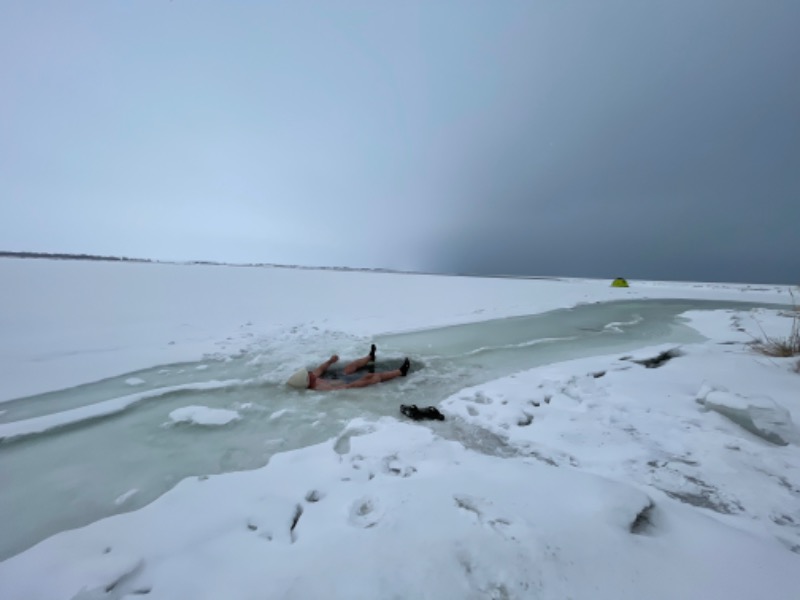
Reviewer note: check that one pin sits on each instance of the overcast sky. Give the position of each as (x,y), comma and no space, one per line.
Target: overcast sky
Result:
(652,140)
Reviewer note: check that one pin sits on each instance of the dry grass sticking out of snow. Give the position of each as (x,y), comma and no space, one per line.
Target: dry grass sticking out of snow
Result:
(783,345)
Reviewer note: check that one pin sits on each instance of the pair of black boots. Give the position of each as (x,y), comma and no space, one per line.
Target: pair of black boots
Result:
(421,414)
(371,364)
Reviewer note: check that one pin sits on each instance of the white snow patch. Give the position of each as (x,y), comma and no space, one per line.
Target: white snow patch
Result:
(203,415)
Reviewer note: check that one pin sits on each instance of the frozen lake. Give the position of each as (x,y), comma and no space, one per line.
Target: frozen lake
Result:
(71,476)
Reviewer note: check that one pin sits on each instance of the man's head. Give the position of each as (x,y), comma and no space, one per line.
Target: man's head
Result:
(300,379)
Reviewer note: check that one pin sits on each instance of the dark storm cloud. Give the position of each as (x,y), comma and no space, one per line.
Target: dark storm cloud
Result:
(674,152)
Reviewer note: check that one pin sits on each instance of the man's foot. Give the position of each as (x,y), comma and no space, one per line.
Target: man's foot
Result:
(372,353)
(405,367)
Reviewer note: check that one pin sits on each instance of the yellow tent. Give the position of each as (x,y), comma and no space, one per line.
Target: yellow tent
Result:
(619,282)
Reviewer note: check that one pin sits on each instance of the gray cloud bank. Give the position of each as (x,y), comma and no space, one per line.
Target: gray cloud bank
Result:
(650,140)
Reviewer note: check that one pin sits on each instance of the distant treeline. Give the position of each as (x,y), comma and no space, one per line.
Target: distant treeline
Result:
(66,256)
(63,256)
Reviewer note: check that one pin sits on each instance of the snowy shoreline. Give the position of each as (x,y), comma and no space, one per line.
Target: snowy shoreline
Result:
(587,478)
(73,322)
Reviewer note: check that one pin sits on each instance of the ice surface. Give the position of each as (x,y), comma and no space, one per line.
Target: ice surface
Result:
(123,498)
(51,422)
(279,413)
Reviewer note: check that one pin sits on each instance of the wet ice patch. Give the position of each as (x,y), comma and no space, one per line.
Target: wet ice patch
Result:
(202,415)
(279,413)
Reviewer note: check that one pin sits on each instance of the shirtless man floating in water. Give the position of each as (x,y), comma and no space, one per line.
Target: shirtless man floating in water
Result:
(312,380)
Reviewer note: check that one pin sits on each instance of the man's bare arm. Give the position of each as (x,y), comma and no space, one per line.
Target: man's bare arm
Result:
(320,370)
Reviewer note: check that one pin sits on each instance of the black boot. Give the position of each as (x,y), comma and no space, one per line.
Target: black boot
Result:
(412,412)
(405,367)
(419,414)
(431,412)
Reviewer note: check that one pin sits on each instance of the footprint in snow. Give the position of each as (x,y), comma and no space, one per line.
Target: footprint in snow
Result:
(314,496)
(365,512)
(480,509)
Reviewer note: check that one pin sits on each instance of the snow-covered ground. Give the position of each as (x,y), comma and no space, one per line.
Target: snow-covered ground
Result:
(67,322)
(671,471)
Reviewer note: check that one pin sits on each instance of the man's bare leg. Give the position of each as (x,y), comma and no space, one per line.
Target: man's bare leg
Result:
(360,363)
(320,370)
(373,378)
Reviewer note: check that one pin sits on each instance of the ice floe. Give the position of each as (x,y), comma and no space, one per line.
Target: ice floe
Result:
(202,415)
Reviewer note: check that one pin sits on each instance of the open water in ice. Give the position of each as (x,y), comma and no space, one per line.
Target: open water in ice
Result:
(73,476)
